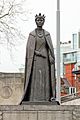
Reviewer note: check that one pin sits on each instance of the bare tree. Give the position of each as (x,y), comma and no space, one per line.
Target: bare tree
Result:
(11,11)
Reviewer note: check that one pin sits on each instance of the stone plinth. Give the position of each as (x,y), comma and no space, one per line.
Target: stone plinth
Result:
(40,103)
(39,112)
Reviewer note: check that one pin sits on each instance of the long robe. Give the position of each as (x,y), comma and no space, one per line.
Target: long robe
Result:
(29,62)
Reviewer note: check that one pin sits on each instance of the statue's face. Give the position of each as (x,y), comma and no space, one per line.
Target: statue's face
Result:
(39,22)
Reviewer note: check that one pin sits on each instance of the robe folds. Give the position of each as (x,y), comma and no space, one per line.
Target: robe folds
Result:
(30,57)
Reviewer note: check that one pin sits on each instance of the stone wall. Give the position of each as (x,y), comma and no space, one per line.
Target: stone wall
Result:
(39,112)
(11,88)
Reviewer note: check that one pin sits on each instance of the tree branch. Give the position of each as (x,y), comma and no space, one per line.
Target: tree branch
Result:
(7,12)
(2,7)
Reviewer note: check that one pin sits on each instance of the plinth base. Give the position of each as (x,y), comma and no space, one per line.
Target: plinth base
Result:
(39,112)
(40,103)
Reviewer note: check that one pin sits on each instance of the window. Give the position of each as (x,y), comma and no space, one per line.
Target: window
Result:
(72,90)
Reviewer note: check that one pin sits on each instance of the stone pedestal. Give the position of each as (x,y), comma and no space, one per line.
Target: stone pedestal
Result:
(39,112)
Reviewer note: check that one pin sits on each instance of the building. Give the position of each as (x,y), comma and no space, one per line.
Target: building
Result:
(70,63)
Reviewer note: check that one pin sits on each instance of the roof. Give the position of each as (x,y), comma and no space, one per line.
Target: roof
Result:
(65,82)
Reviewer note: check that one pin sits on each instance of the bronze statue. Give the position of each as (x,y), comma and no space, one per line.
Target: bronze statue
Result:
(39,65)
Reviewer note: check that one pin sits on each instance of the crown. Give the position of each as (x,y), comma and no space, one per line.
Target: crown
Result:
(39,16)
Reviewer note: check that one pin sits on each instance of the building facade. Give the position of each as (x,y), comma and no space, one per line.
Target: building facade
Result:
(70,63)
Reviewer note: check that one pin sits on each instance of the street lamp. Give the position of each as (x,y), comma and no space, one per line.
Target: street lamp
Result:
(58,52)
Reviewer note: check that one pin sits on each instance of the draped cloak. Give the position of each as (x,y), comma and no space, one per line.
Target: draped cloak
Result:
(29,60)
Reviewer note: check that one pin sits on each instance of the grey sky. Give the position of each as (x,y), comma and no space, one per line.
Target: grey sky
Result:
(70,19)
(70,23)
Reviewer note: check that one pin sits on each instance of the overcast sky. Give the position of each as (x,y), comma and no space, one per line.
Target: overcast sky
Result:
(70,23)
(70,17)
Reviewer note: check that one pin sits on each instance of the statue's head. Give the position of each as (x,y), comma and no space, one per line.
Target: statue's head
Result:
(39,19)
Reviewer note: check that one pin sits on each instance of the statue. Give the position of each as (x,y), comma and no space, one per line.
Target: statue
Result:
(39,65)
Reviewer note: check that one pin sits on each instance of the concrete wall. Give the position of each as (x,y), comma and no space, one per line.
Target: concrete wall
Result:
(39,112)
(11,88)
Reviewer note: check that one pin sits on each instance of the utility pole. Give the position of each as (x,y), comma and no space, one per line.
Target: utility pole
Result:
(58,96)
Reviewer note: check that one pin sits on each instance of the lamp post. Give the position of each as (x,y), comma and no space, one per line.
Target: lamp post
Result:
(58,52)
